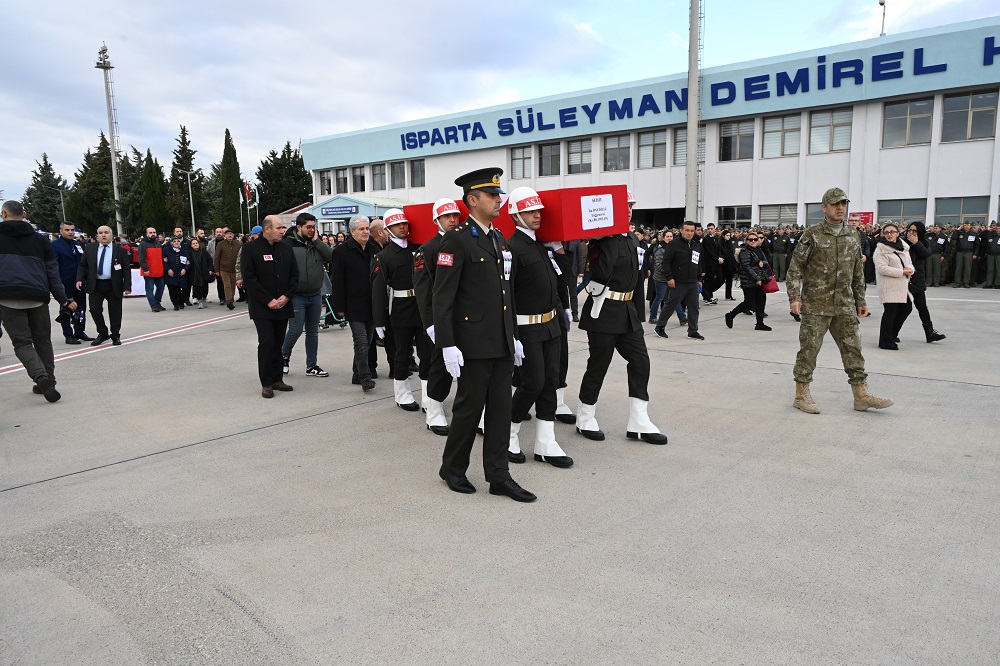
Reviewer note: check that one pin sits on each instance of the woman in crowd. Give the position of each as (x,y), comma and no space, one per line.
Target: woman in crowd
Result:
(893,269)
(176,263)
(755,270)
(200,272)
(729,267)
(920,249)
(341,238)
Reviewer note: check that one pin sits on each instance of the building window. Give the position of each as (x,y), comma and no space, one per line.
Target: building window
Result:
(680,145)
(814,214)
(616,153)
(830,131)
(736,141)
(358,178)
(959,210)
(969,116)
(548,159)
(734,216)
(325,182)
(378,176)
(520,162)
(902,211)
(416,173)
(397,174)
(652,149)
(578,156)
(907,123)
(782,135)
(341,178)
(778,215)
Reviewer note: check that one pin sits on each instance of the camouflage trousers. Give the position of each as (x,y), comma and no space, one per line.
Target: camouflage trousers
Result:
(845,332)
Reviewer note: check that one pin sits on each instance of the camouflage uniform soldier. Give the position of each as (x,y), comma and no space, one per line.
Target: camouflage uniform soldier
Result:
(826,285)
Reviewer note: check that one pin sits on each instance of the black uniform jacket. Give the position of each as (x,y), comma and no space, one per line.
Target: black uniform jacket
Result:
(472,301)
(121,268)
(424,264)
(392,268)
(614,262)
(536,287)
(269,272)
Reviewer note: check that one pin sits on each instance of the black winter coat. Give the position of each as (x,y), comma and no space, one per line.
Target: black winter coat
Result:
(350,273)
(750,269)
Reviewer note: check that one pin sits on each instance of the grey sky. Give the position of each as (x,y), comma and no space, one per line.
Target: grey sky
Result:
(272,72)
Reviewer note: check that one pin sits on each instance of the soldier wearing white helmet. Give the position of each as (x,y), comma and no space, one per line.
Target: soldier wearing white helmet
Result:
(393,304)
(540,300)
(437,386)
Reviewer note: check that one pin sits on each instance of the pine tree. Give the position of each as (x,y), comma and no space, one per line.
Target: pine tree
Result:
(228,213)
(90,204)
(283,181)
(129,183)
(41,200)
(154,195)
(178,200)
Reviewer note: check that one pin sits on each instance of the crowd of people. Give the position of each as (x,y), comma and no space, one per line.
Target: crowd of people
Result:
(489,312)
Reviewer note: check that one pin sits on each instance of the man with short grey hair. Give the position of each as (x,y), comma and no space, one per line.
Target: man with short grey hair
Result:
(352,294)
(28,274)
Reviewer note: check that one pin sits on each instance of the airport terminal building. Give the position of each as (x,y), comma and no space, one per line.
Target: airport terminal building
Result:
(906,124)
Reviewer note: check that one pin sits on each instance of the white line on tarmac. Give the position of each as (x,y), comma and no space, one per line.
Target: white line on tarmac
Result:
(139,338)
(962,300)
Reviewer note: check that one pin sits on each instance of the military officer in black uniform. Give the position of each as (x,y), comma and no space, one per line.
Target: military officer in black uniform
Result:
(393,304)
(437,386)
(474,328)
(612,323)
(540,300)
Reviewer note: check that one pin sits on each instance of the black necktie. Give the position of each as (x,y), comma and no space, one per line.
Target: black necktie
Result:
(100,266)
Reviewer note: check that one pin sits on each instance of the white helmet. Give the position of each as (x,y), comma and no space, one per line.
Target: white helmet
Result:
(631,197)
(443,207)
(523,199)
(394,216)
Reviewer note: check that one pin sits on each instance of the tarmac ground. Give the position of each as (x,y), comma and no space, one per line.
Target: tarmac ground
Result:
(163,513)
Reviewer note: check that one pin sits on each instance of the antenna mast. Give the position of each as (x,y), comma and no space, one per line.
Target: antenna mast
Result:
(104,62)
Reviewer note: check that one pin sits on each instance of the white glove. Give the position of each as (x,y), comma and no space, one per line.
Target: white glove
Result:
(453,361)
(380,332)
(430,333)
(569,320)
(518,353)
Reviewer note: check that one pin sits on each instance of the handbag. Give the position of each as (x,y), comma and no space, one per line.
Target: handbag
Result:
(771,285)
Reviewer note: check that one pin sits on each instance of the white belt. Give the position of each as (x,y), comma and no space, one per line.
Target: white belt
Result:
(619,295)
(402,293)
(525,320)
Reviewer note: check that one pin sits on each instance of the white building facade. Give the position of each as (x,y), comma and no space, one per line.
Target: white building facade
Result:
(906,124)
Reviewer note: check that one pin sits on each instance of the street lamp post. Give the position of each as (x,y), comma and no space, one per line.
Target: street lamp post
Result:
(882,2)
(190,201)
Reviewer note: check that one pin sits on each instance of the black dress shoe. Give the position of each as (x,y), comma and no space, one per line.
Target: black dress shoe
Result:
(650,437)
(410,407)
(556,461)
(512,490)
(99,340)
(660,332)
(696,335)
(891,346)
(439,430)
(367,385)
(729,319)
(72,341)
(36,389)
(566,418)
(356,380)
(934,336)
(84,337)
(266,392)
(47,386)
(596,435)
(281,386)
(518,457)
(116,340)
(460,484)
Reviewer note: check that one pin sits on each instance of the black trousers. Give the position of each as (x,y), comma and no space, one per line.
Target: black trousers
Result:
(404,340)
(103,292)
(754,299)
(220,288)
(638,297)
(483,383)
(632,347)
(74,327)
(30,331)
(438,379)
(539,380)
(893,316)
(920,303)
(176,294)
(270,335)
(389,344)
(200,291)
(563,359)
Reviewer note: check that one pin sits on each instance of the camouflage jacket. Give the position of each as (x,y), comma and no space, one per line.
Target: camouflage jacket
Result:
(826,273)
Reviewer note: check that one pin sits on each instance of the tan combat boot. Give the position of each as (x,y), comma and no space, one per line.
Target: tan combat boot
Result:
(804,399)
(863,399)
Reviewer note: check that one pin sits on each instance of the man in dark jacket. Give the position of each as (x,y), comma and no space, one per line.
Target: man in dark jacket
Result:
(68,253)
(106,269)
(312,256)
(28,274)
(682,268)
(352,294)
(270,276)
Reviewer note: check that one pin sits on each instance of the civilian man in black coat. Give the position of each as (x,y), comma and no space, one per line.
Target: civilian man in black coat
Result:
(541,300)
(350,273)
(106,269)
(270,277)
(682,267)
(474,327)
